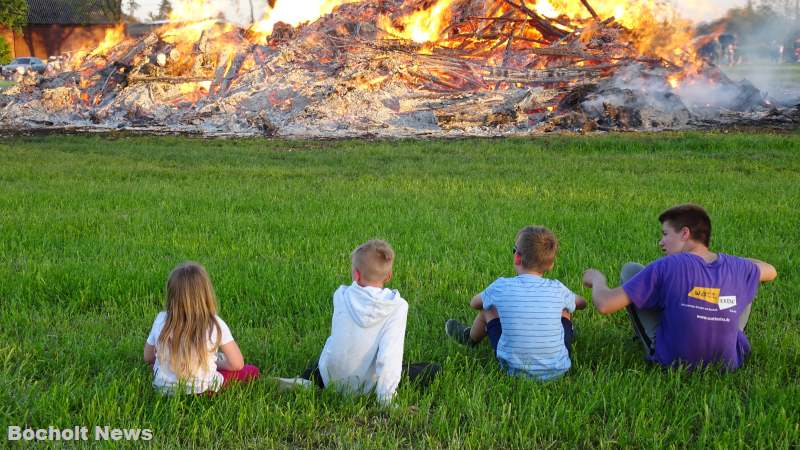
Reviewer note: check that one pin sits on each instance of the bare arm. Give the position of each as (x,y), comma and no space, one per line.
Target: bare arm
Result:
(605,299)
(476,302)
(149,354)
(768,272)
(233,357)
(580,302)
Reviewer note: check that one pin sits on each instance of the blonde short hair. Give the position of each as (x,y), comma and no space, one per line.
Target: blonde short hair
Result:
(536,247)
(373,259)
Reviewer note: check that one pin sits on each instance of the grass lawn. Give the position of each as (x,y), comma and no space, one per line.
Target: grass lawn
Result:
(90,227)
(789,73)
(5,84)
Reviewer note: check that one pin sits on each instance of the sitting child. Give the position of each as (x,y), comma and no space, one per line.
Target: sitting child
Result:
(183,342)
(364,352)
(536,333)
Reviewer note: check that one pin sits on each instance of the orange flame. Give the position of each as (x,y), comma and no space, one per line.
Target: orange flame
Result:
(422,26)
(195,10)
(189,88)
(295,12)
(113,37)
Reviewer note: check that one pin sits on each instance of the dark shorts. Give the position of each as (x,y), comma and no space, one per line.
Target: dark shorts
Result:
(494,330)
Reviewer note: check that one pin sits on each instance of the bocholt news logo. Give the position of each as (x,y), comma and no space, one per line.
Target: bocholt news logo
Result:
(78,433)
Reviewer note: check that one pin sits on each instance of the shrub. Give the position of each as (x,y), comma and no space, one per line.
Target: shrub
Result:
(5,51)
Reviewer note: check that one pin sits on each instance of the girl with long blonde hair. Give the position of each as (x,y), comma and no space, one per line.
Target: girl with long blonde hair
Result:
(189,345)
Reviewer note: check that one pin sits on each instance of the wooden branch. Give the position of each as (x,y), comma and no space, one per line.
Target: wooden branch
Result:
(221,85)
(149,41)
(557,51)
(549,32)
(539,80)
(591,10)
(480,33)
(172,80)
(507,52)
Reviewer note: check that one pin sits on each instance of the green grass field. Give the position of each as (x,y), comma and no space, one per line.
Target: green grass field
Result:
(5,84)
(789,73)
(90,228)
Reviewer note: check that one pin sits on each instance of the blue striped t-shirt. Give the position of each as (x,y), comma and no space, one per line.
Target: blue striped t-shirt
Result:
(530,308)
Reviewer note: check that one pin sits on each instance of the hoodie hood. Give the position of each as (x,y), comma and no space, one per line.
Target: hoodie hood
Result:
(368,305)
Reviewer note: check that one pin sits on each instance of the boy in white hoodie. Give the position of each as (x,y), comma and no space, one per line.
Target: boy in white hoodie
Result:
(364,352)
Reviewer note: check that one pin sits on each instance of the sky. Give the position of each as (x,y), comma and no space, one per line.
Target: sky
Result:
(697,10)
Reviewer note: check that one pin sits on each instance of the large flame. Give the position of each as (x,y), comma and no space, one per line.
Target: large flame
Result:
(195,10)
(657,27)
(421,26)
(295,12)
(201,44)
(113,37)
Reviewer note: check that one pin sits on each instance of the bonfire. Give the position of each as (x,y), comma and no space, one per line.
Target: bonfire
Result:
(338,68)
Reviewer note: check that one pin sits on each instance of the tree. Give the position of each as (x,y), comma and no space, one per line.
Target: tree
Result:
(112,9)
(164,9)
(133,5)
(788,8)
(5,52)
(14,13)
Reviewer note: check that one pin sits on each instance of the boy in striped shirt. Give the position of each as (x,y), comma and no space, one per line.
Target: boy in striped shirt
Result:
(536,332)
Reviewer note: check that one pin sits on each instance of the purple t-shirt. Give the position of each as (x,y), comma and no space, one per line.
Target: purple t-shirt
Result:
(700,303)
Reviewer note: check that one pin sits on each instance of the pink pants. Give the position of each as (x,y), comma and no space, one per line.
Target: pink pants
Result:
(248,373)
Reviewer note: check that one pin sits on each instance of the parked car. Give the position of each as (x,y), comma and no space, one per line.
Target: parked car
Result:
(24,64)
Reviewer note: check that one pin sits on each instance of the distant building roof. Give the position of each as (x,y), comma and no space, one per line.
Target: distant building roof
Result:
(74,12)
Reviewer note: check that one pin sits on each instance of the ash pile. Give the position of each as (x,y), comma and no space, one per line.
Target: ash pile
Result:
(485,68)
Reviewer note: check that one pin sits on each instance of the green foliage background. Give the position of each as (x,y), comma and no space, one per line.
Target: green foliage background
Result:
(14,13)
(5,51)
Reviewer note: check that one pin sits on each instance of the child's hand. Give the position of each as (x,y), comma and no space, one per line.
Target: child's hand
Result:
(580,302)
(592,277)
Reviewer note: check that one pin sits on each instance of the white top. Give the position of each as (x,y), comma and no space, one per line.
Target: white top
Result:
(206,379)
(365,349)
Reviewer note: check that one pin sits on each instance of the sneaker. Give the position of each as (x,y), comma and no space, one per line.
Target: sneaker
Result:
(287,384)
(459,332)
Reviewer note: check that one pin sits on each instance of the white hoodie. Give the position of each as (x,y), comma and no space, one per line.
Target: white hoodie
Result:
(365,349)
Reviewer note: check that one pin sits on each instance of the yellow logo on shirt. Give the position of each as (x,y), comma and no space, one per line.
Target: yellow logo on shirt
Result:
(710,295)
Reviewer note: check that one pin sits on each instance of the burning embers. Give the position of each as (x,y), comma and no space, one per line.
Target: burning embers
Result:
(433,67)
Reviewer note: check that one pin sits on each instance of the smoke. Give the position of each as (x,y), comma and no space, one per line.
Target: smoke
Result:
(702,92)
(777,82)
(764,43)
(242,12)
(697,93)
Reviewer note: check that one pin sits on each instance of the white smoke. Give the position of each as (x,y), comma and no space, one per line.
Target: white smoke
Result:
(242,12)
(650,87)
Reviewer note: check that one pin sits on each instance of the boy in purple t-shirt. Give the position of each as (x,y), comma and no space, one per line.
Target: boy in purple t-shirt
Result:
(692,305)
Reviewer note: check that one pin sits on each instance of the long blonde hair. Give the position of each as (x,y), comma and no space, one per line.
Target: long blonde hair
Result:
(191,317)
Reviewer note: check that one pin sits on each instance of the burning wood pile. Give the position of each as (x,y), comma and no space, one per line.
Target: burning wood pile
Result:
(395,68)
